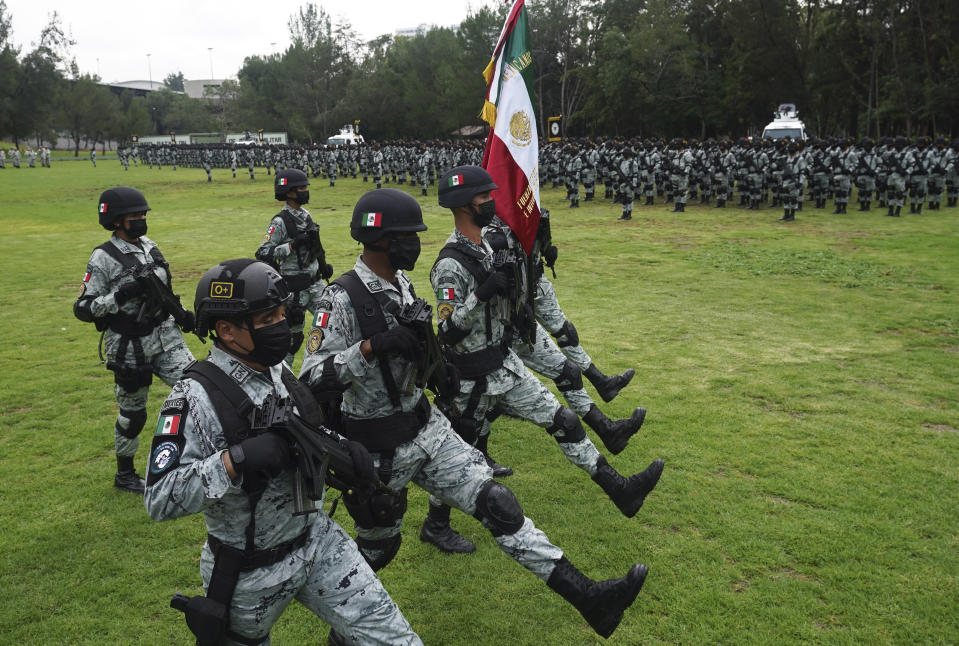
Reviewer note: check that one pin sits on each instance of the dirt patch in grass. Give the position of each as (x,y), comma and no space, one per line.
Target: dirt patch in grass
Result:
(941,428)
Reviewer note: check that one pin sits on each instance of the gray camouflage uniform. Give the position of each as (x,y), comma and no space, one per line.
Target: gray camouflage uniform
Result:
(163,348)
(327,574)
(436,459)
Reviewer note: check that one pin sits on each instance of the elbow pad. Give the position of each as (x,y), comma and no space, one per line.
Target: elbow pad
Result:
(81,310)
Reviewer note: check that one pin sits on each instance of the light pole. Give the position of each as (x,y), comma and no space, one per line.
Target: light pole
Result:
(150,71)
(210,50)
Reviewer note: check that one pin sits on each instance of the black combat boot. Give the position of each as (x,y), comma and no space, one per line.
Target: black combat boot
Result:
(838,210)
(629,215)
(898,210)
(785,217)
(952,202)
(629,493)
(680,207)
(436,530)
(574,203)
(624,216)
(615,435)
(365,178)
(868,205)
(602,603)
(790,215)
(588,198)
(649,201)
(669,198)
(608,386)
(720,204)
(423,191)
(742,199)
(862,206)
(127,478)
(919,208)
(499,471)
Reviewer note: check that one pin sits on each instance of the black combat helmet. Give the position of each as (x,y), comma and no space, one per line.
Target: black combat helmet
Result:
(459,185)
(114,203)
(237,289)
(382,211)
(288,180)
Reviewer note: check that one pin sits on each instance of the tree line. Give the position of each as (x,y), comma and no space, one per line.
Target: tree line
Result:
(701,68)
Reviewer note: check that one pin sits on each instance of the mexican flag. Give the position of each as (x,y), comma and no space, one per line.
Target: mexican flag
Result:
(456,180)
(512,149)
(445,294)
(373,219)
(168,425)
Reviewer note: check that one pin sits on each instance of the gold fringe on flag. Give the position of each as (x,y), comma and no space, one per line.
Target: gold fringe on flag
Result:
(488,114)
(488,72)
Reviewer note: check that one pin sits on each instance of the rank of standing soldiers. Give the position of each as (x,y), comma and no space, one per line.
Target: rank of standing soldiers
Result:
(778,171)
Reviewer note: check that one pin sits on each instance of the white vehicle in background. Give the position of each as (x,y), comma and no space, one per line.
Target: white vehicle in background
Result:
(785,123)
(348,135)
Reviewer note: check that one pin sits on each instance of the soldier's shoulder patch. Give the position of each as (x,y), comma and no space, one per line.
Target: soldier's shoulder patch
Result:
(444,310)
(374,286)
(165,456)
(324,304)
(315,340)
(445,294)
(321,320)
(175,406)
(83,290)
(266,237)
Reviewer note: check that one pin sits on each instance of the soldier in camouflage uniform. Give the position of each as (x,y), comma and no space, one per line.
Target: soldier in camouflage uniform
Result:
(574,169)
(864,172)
(411,440)
(476,328)
(936,162)
(292,245)
(629,176)
(137,346)
(794,172)
(914,162)
(206,458)
(896,175)
(841,183)
(681,164)
(590,164)
(952,173)
(3,158)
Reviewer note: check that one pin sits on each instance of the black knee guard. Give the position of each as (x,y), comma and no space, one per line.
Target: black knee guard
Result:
(378,553)
(566,427)
(498,509)
(137,419)
(567,336)
(571,378)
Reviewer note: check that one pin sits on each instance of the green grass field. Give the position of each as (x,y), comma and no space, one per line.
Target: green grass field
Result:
(801,380)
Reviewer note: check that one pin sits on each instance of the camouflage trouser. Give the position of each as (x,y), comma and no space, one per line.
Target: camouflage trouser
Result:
(679,185)
(934,188)
(841,186)
(866,185)
(720,186)
(952,184)
(628,194)
(917,189)
(754,186)
(819,185)
(791,193)
(896,190)
(168,365)
(551,316)
(330,578)
(546,358)
(454,475)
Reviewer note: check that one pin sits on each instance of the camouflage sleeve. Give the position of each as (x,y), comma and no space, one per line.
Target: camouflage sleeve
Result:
(276,244)
(333,344)
(456,301)
(186,474)
(99,288)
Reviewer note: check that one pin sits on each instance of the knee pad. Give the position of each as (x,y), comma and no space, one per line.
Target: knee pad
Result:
(378,553)
(566,427)
(498,509)
(571,378)
(137,418)
(567,335)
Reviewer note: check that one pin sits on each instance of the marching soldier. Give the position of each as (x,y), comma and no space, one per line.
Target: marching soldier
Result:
(140,335)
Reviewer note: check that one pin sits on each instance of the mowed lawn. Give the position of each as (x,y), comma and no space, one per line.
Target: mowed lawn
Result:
(801,381)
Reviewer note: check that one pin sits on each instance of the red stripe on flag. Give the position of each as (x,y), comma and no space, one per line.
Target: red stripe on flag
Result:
(522,213)
(86,277)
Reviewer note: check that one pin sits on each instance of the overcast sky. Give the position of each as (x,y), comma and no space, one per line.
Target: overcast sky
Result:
(114,37)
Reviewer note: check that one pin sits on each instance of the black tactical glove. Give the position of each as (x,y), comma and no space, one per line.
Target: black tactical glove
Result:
(362,461)
(397,340)
(261,456)
(496,283)
(128,290)
(326,271)
(550,255)
(189,322)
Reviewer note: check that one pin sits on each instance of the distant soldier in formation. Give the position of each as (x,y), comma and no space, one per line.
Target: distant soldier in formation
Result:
(93,156)
(15,157)
(864,172)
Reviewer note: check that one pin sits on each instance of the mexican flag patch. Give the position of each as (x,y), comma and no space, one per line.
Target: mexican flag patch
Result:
(445,294)
(373,219)
(456,180)
(322,318)
(283,181)
(86,277)
(168,425)
(103,207)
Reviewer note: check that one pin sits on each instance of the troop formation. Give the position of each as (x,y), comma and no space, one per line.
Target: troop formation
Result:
(252,447)
(16,157)
(778,171)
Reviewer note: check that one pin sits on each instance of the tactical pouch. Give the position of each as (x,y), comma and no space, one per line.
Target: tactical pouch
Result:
(377,509)
(466,428)
(131,378)
(205,617)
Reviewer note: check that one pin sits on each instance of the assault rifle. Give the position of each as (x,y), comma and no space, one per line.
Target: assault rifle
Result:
(431,369)
(320,454)
(507,261)
(159,300)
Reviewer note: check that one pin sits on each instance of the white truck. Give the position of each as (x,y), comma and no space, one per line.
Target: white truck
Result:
(348,135)
(786,123)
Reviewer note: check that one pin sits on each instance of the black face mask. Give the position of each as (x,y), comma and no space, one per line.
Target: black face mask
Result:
(403,252)
(136,228)
(270,343)
(302,197)
(483,214)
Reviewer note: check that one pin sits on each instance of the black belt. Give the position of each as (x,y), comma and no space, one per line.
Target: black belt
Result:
(260,558)
(473,365)
(382,434)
